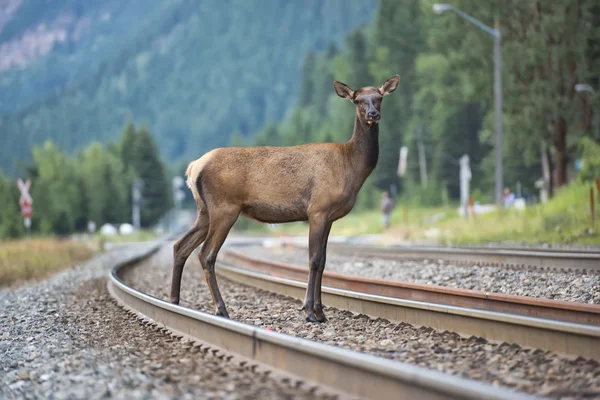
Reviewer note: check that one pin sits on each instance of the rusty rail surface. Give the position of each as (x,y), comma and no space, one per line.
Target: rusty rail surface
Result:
(567,311)
(585,260)
(343,370)
(533,323)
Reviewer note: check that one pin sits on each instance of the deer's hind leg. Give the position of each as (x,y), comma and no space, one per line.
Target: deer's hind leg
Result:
(184,247)
(221,221)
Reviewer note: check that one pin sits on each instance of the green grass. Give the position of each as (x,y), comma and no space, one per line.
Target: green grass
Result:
(565,219)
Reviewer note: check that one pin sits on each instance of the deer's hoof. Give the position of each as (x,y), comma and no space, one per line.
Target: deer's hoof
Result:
(320,315)
(175,300)
(311,318)
(222,313)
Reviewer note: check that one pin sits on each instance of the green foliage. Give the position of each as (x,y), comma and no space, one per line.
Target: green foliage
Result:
(104,185)
(156,191)
(94,185)
(195,72)
(11,222)
(590,160)
(546,50)
(445,91)
(56,191)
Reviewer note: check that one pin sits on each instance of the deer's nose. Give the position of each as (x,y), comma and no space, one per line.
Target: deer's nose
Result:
(372,114)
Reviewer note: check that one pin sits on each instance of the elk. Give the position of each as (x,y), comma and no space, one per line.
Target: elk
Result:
(315,182)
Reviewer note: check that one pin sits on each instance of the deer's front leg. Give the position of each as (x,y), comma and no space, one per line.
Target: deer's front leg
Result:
(319,314)
(316,253)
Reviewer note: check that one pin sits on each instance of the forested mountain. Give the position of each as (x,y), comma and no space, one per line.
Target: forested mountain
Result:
(195,72)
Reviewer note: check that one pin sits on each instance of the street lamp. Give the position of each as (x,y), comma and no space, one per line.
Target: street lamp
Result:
(584,87)
(440,8)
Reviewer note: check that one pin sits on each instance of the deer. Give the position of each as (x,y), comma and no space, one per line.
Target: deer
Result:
(316,182)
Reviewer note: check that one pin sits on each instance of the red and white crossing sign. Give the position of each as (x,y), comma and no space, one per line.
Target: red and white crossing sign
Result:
(25,201)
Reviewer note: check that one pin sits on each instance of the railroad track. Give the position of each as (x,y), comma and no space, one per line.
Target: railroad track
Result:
(584,260)
(353,373)
(560,326)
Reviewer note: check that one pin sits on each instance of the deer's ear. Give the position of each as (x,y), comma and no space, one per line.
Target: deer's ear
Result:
(390,85)
(343,90)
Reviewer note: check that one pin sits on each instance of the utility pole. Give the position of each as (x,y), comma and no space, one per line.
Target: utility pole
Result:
(178,194)
(440,8)
(402,161)
(136,195)
(422,159)
(498,111)
(465,178)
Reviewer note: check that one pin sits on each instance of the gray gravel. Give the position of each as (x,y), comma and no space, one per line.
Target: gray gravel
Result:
(64,338)
(569,286)
(530,370)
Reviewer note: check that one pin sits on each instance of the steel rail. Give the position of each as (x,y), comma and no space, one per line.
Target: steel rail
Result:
(566,311)
(562,337)
(545,259)
(353,373)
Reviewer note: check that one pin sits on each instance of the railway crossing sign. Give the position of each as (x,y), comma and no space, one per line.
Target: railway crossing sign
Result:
(25,201)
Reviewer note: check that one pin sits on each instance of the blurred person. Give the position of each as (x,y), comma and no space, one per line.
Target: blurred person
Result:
(387,205)
(509,198)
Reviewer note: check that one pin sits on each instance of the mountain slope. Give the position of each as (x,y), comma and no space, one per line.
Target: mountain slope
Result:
(195,74)
(46,45)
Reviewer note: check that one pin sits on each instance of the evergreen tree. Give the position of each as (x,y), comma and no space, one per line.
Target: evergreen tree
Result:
(127,145)
(156,193)
(398,40)
(308,85)
(358,59)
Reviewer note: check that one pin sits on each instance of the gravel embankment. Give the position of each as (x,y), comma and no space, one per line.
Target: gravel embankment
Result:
(66,339)
(534,371)
(558,285)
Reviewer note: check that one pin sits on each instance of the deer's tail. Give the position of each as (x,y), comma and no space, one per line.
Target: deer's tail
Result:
(193,172)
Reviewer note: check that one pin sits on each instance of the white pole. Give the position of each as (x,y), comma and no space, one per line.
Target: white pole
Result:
(422,159)
(465,177)
(137,200)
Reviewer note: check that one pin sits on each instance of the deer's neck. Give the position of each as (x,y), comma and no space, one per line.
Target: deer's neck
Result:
(364,148)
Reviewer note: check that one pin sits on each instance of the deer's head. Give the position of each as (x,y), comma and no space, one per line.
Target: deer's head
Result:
(368,98)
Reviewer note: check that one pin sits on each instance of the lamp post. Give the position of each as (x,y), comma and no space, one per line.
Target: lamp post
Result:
(440,8)
(584,87)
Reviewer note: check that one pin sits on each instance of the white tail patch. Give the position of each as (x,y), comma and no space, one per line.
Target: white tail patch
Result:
(193,171)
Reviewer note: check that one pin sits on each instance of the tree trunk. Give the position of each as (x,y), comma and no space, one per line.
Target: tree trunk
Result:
(546,170)
(559,140)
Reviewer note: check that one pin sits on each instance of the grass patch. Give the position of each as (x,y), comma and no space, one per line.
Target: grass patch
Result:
(38,258)
(565,219)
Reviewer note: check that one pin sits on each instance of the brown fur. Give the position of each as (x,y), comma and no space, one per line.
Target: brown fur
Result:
(317,182)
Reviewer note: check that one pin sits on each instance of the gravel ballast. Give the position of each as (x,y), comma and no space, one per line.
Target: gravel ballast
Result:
(530,370)
(558,285)
(65,338)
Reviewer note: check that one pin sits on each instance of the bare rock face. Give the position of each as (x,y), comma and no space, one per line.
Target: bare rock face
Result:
(39,39)
(7,10)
